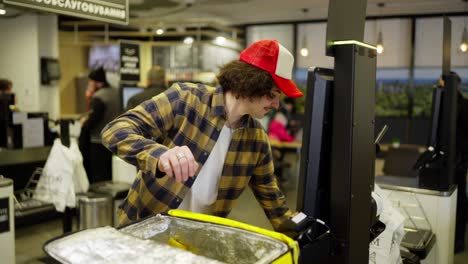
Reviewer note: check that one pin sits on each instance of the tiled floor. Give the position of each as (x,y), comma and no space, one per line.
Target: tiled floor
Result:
(30,239)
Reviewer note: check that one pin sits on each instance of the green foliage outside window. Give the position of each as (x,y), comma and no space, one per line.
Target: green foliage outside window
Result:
(391,99)
(423,100)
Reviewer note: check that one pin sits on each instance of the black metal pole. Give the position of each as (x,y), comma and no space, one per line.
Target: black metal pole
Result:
(448,126)
(353,151)
(65,132)
(67,219)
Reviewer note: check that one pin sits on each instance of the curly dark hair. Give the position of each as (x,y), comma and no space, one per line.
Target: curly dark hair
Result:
(245,80)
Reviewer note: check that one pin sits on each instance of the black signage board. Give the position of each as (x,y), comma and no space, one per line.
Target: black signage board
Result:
(129,61)
(112,11)
(4,215)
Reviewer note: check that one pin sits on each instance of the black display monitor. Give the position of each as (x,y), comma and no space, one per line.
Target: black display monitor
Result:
(105,56)
(437,93)
(50,70)
(315,168)
(127,91)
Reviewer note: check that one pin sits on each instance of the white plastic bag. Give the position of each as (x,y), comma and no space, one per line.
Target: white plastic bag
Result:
(80,178)
(385,248)
(62,177)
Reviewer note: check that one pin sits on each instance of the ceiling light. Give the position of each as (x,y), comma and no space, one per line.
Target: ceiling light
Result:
(188,40)
(464,39)
(220,40)
(159,31)
(2,10)
(304,50)
(380,46)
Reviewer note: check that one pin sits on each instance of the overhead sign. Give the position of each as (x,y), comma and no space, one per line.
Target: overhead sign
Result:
(129,61)
(112,11)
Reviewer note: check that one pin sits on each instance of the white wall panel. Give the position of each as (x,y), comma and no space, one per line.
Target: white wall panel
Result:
(429,39)
(48,47)
(396,34)
(283,33)
(458,58)
(24,40)
(19,62)
(213,57)
(315,34)
(428,51)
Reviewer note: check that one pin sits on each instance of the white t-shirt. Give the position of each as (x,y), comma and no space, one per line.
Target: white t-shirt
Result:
(201,197)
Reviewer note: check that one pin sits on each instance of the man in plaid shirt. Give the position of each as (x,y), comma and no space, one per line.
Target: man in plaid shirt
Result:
(197,147)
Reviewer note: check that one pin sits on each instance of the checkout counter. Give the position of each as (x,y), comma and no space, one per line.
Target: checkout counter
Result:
(432,211)
(20,165)
(425,210)
(25,144)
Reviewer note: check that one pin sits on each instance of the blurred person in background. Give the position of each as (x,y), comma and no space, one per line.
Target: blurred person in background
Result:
(156,84)
(6,86)
(103,106)
(280,125)
(6,91)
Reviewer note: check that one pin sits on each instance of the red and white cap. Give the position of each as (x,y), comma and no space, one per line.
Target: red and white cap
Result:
(272,57)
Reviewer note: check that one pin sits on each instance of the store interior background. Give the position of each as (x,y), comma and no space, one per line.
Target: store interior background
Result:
(407,69)
(27,36)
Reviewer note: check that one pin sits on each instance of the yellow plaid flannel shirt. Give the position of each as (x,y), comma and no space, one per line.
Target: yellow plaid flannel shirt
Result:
(192,115)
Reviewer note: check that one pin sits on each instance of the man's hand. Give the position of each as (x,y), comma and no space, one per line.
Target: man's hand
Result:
(178,162)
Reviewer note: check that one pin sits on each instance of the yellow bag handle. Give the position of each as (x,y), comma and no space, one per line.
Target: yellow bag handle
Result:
(292,244)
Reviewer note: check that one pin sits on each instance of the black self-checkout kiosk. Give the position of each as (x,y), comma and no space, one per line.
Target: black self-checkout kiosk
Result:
(337,160)
(338,152)
(435,169)
(436,166)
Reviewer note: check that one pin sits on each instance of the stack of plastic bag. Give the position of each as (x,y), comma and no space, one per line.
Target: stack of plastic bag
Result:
(62,177)
(385,248)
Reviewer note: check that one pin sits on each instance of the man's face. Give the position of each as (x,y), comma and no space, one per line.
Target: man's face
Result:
(93,85)
(259,107)
(9,90)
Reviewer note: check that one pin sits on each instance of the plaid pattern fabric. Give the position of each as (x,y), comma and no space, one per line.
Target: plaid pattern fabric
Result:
(192,115)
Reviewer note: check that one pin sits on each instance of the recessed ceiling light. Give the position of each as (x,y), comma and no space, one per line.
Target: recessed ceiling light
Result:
(188,40)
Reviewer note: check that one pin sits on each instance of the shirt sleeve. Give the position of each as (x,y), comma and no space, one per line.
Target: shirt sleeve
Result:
(134,136)
(266,190)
